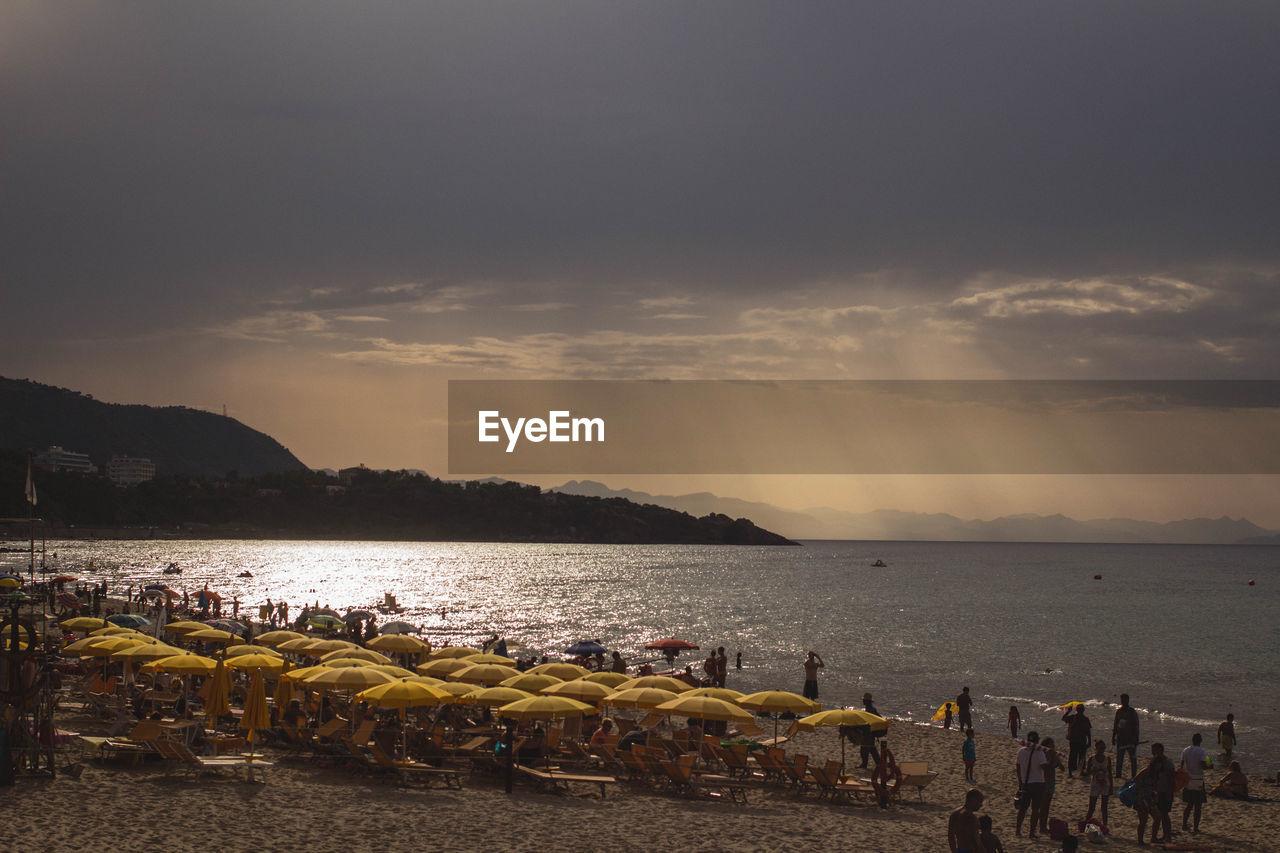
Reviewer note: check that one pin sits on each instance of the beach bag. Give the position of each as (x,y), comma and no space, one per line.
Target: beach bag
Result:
(1020,799)
(1128,793)
(1057,829)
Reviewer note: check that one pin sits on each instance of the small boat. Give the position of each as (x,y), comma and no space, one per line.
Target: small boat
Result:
(389,604)
(879,564)
(245,574)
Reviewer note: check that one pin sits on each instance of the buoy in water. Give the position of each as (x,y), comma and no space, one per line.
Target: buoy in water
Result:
(1097,577)
(1250,581)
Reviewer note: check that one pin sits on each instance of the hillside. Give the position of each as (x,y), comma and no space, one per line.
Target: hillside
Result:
(177,439)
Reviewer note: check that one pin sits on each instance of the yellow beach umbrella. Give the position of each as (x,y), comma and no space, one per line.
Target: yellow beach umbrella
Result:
(705,708)
(544,708)
(184,626)
(532,682)
(339,663)
(716,693)
(584,691)
(217,703)
(454,652)
(495,696)
(83,623)
(266,663)
(183,664)
(500,660)
(357,653)
(778,702)
(347,678)
(566,671)
(213,635)
(427,679)
(274,638)
(114,631)
(147,652)
(1069,705)
(283,692)
(609,679)
(392,670)
(482,673)
(301,673)
(101,647)
(298,646)
(843,717)
(662,682)
(458,688)
(323,647)
(399,644)
(643,698)
(442,666)
(402,695)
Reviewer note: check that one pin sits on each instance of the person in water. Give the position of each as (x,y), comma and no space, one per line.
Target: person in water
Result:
(812,664)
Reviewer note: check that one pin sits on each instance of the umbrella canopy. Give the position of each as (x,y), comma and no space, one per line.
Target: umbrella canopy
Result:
(321,648)
(843,717)
(941,713)
(427,679)
(392,670)
(405,694)
(442,666)
(237,651)
(640,697)
(357,615)
(458,688)
(662,682)
(183,664)
(778,702)
(482,673)
(356,654)
(275,638)
(128,620)
(671,644)
(545,708)
(301,673)
(298,646)
(586,648)
(348,678)
(584,691)
(566,671)
(325,611)
(183,626)
(227,625)
(705,708)
(530,681)
(213,635)
(397,626)
(454,652)
(399,643)
(101,647)
(325,622)
(256,715)
(82,623)
(495,696)
(115,631)
(500,660)
(337,663)
(147,652)
(217,703)
(716,693)
(265,663)
(609,679)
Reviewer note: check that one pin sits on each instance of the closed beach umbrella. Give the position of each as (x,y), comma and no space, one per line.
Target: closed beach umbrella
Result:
(454,652)
(704,708)
(716,693)
(399,644)
(218,703)
(357,653)
(275,638)
(584,691)
(662,682)
(495,696)
(442,666)
(566,671)
(616,680)
(586,648)
(544,708)
(264,663)
(482,673)
(500,660)
(349,678)
(183,664)
(533,682)
(256,717)
(643,698)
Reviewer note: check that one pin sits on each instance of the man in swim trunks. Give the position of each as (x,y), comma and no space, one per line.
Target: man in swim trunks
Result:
(812,664)
(965,705)
(1124,734)
(963,830)
(1227,735)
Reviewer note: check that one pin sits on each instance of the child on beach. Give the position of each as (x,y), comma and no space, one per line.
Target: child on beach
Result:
(969,753)
(990,841)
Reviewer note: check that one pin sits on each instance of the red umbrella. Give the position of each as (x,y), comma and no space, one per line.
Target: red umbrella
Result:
(671,644)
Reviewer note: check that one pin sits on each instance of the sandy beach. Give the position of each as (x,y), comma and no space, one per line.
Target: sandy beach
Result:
(303,805)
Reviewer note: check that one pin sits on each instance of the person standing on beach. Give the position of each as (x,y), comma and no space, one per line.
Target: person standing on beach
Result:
(965,704)
(1161,770)
(1029,768)
(1194,761)
(946,716)
(1015,721)
(812,664)
(722,667)
(1101,785)
(1124,735)
(963,830)
(1079,733)
(969,755)
(1227,735)
(619,663)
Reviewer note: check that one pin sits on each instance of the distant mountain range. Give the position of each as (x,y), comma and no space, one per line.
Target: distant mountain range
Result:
(827,523)
(177,439)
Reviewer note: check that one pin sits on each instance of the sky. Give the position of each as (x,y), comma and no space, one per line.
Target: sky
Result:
(316,214)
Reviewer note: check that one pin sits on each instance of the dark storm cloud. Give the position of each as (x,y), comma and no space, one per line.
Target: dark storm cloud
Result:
(210,158)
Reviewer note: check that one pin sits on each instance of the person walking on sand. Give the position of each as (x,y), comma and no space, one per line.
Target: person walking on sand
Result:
(964,833)
(1124,735)
(812,664)
(1195,761)
(1227,735)
(965,705)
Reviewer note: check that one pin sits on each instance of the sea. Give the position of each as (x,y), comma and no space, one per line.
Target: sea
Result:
(1190,632)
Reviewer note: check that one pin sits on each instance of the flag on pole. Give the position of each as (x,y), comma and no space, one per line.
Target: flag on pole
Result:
(31,486)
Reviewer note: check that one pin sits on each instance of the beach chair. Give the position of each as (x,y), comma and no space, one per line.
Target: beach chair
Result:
(686,781)
(329,730)
(573,752)
(707,752)
(770,762)
(636,770)
(193,765)
(363,733)
(797,771)
(412,770)
(916,774)
(734,758)
(829,783)
(552,780)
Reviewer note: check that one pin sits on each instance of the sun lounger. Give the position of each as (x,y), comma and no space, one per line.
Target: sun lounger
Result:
(829,784)
(411,770)
(550,779)
(684,780)
(194,765)
(916,774)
